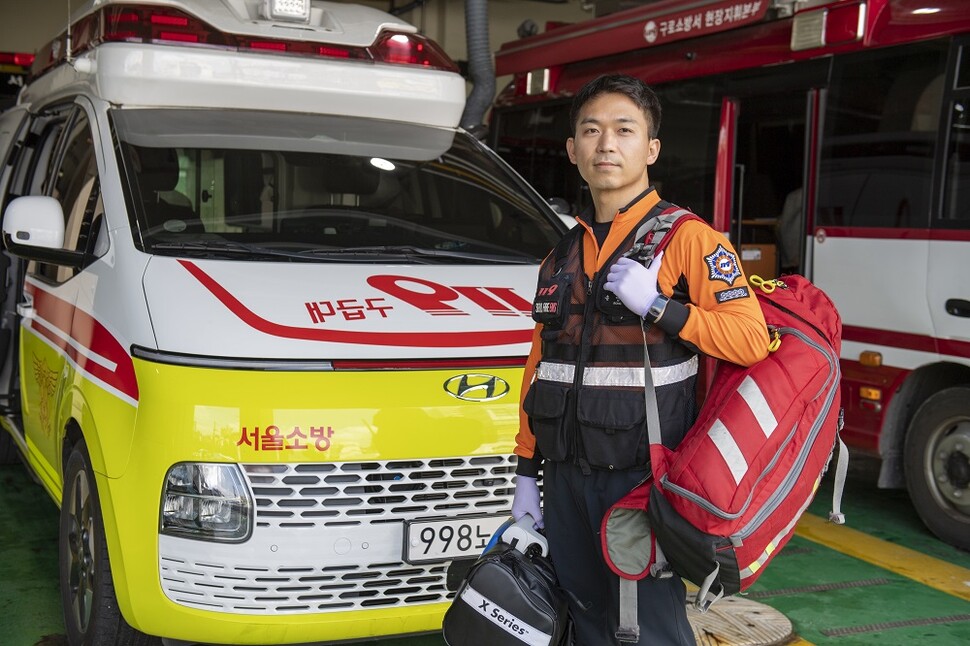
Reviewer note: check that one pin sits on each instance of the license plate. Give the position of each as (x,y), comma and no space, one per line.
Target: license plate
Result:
(446,539)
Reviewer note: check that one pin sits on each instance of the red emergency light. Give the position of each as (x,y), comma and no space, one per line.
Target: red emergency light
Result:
(16,58)
(406,49)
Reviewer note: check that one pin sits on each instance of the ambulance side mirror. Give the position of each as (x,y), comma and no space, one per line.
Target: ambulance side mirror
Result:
(561,208)
(33,228)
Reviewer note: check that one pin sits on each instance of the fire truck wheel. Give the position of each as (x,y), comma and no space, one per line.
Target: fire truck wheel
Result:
(937,459)
(91,613)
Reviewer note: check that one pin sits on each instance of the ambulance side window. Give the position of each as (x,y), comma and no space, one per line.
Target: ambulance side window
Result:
(32,161)
(11,123)
(76,186)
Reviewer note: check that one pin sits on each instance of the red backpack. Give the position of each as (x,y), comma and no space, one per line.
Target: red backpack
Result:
(719,507)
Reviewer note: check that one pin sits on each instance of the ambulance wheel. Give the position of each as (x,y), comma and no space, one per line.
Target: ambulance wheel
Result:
(937,460)
(91,613)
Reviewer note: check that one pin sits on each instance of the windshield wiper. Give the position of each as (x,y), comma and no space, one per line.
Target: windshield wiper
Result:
(420,253)
(341,254)
(218,247)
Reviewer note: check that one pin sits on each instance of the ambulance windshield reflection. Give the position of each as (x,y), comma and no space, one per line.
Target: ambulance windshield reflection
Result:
(248,186)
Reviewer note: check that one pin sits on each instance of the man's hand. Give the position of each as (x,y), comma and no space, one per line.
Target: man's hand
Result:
(526,500)
(634,284)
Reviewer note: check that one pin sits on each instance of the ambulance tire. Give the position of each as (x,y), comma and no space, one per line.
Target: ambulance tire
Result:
(91,613)
(937,464)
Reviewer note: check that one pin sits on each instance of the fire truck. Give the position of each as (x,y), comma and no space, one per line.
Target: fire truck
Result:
(829,138)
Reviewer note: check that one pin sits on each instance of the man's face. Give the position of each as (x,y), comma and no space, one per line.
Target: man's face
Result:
(612,146)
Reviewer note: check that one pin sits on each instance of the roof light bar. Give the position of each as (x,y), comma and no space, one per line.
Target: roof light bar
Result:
(165,25)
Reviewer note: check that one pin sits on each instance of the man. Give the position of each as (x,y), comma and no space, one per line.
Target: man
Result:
(583,411)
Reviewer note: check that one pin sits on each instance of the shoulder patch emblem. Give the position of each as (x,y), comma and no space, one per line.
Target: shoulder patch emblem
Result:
(723,265)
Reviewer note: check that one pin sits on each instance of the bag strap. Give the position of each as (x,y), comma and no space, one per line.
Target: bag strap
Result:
(841,469)
(705,599)
(654,233)
(629,628)
(651,238)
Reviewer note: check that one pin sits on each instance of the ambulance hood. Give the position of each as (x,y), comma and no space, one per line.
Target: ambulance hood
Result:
(310,311)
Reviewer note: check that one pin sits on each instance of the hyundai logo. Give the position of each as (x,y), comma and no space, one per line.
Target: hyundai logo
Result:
(476,387)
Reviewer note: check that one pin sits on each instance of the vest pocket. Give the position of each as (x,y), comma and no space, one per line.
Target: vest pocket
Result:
(612,427)
(545,404)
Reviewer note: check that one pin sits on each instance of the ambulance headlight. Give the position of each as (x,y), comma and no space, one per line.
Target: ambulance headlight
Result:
(208,502)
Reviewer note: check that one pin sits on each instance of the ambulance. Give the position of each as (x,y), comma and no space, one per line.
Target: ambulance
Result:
(266,312)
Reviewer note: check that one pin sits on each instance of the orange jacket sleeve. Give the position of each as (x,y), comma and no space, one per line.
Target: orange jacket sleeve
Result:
(723,318)
(525,441)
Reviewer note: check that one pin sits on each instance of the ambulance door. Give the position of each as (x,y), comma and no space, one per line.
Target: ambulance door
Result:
(25,172)
(948,290)
(12,131)
(55,334)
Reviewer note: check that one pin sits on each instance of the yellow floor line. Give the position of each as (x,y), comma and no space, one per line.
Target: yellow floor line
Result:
(946,577)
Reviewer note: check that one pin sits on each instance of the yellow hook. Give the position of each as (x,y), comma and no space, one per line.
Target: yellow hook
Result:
(775,337)
(767,286)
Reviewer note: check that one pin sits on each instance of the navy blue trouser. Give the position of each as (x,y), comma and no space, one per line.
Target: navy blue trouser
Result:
(573,509)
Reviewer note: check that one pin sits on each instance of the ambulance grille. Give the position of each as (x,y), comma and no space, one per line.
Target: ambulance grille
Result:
(330,494)
(302,590)
(375,496)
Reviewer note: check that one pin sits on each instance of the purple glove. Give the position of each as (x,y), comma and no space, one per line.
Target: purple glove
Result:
(526,500)
(634,284)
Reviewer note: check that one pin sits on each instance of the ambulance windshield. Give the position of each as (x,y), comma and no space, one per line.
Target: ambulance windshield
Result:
(287,186)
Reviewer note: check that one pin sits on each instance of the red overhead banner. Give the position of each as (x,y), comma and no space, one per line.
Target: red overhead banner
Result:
(648,26)
(687,24)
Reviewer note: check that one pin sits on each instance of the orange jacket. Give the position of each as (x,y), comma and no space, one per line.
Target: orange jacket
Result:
(732,329)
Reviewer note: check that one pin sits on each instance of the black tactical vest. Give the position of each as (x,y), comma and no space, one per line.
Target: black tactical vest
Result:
(586,404)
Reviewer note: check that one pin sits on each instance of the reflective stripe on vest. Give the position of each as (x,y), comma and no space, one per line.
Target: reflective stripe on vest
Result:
(613,376)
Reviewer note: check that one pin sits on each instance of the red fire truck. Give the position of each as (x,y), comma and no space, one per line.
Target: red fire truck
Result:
(825,137)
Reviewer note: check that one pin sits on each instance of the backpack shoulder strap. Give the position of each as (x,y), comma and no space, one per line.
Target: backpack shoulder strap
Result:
(561,251)
(656,231)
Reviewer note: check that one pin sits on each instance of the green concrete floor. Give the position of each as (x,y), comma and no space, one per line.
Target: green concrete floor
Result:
(831,598)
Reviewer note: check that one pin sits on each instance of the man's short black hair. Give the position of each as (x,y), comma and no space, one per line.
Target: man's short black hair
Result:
(637,91)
